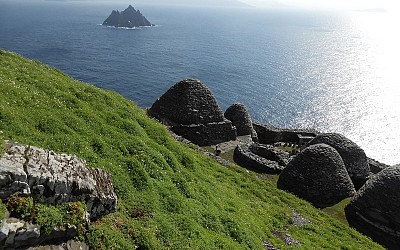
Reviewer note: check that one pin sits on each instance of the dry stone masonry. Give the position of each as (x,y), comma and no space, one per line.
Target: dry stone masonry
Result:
(353,156)
(262,158)
(374,210)
(240,118)
(318,175)
(191,110)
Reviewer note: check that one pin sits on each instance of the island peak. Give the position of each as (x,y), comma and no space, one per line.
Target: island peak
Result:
(128,18)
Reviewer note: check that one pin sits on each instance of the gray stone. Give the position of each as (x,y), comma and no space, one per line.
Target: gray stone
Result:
(13,226)
(353,156)
(59,234)
(376,166)
(69,245)
(318,175)
(13,178)
(268,134)
(55,178)
(374,210)
(4,230)
(27,235)
(190,109)
(240,118)
(18,234)
(261,158)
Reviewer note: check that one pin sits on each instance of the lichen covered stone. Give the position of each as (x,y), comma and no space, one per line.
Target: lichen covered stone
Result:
(55,178)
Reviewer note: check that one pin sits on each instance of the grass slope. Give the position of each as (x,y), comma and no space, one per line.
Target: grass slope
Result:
(170,196)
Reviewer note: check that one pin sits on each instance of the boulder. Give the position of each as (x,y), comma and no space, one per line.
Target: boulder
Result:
(192,111)
(240,118)
(318,175)
(353,156)
(128,18)
(374,210)
(55,178)
(261,158)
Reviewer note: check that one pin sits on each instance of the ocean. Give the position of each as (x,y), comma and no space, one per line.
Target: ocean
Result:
(331,71)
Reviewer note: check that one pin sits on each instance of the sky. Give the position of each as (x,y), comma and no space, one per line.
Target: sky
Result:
(328,4)
(315,4)
(371,5)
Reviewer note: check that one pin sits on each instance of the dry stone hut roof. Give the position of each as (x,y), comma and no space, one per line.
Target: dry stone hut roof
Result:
(192,112)
(374,210)
(353,156)
(240,118)
(318,175)
(187,102)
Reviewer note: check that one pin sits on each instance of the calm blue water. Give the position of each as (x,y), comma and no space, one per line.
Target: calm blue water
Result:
(329,71)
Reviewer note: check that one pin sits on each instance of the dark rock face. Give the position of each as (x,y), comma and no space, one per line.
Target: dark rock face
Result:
(128,18)
(262,158)
(353,156)
(318,175)
(374,210)
(55,178)
(191,110)
(240,118)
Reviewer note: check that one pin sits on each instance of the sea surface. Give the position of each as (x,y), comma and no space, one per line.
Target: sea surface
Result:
(332,71)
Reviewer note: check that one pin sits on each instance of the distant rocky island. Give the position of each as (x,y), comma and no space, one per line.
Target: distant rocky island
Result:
(129,18)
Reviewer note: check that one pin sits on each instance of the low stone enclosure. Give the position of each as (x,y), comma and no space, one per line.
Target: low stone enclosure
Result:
(49,178)
(268,134)
(261,158)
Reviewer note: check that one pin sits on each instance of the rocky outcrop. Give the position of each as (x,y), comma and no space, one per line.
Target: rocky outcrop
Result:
(262,158)
(128,18)
(55,178)
(268,134)
(374,210)
(191,110)
(19,234)
(69,245)
(240,118)
(318,175)
(353,156)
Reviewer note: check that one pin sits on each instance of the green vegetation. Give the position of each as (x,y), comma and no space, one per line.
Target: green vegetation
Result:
(337,211)
(21,207)
(72,213)
(170,196)
(3,209)
(48,216)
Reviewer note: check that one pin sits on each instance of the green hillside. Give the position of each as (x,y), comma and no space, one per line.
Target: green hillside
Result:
(170,196)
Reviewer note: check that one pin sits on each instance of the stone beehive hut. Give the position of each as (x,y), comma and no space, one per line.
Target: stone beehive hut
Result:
(374,210)
(353,156)
(191,110)
(240,118)
(318,175)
